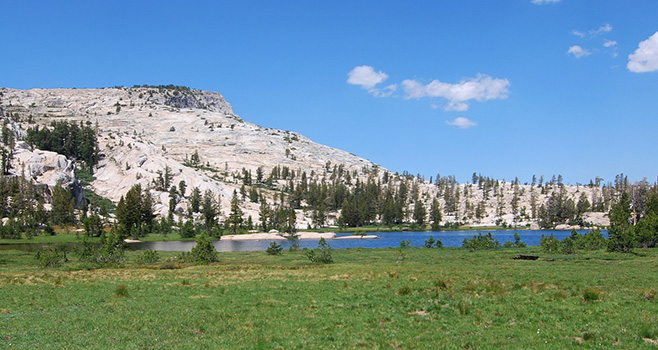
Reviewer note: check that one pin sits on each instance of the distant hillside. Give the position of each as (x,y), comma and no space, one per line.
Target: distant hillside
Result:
(145,133)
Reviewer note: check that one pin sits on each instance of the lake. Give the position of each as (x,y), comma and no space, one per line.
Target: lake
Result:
(385,240)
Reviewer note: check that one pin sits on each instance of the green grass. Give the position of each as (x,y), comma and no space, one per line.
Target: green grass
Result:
(446,298)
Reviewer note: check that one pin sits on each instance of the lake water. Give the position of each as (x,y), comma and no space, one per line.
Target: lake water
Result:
(385,240)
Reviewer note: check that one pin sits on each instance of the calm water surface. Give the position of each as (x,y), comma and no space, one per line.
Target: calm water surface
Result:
(385,240)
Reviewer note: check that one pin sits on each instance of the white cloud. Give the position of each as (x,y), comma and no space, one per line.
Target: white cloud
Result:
(645,58)
(578,51)
(606,28)
(481,88)
(461,122)
(366,77)
(541,2)
(578,33)
(609,43)
(385,92)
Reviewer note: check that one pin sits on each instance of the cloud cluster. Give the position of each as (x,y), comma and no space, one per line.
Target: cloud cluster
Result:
(610,45)
(481,88)
(578,51)
(462,123)
(367,78)
(645,58)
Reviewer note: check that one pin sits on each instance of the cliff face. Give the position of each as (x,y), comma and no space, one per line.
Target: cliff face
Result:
(144,132)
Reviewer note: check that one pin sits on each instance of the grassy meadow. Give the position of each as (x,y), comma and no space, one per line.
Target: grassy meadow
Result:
(415,298)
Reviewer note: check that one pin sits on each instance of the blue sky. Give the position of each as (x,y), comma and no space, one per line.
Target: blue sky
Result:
(504,88)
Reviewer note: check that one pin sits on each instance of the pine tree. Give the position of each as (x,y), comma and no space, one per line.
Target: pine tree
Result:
(621,233)
(234,221)
(419,213)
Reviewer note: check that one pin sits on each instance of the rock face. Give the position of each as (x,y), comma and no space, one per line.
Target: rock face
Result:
(48,168)
(147,131)
(144,130)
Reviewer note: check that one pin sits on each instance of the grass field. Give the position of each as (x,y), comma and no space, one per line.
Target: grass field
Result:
(446,298)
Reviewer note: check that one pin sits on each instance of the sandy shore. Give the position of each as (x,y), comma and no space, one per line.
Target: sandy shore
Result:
(277,236)
(358,237)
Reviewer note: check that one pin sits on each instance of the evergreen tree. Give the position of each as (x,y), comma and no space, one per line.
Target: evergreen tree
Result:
(195,200)
(620,233)
(234,221)
(209,209)
(62,206)
(435,214)
(419,213)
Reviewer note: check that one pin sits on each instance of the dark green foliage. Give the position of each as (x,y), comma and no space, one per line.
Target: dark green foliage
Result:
(204,252)
(109,251)
(322,254)
(295,243)
(62,206)
(52,257)
(93,225)
(647,229)
(11,230)
(621,233)
(419,213)
(135,213)
(67,138)
(148,256)
(274,249)
(187,230)
(591,294)
(592,240)
(568,246)
(517,242)
(234,221)
(405,243)
(549,244)
(435,215)
(430,242)
(558,210)
(481,242)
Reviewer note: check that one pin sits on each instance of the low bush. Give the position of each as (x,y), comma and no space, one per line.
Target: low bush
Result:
(550,244)
(274,249)
(204,252)
(148,257)
(481,242)
(322,254)
(52,257)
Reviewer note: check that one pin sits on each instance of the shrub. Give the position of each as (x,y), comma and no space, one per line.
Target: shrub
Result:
(204,252)
(592,240)
(188,231)
(405,243)
(148,257)
(549,244)
(517,242)
(568,246)
(274,249)
(429,243)
(481,242)
(109,251)
(321,254)
(295,243)
(52,257)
